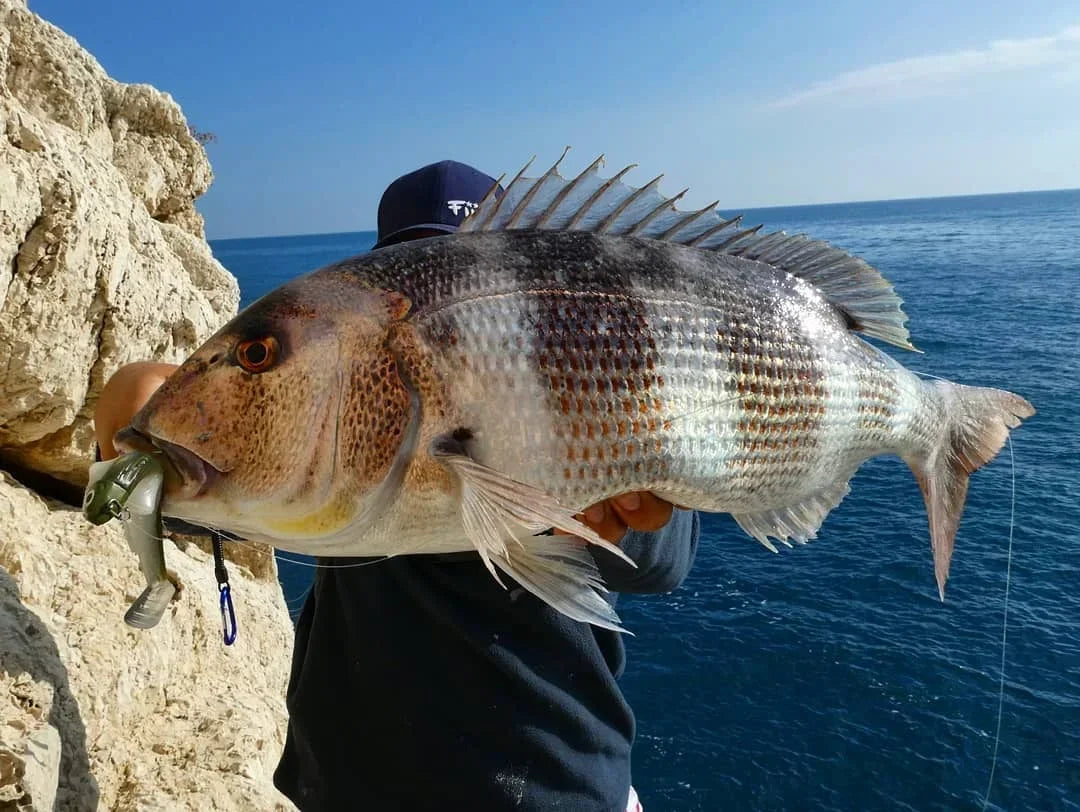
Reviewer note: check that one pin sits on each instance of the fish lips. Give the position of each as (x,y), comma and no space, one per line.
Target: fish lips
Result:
(189,473)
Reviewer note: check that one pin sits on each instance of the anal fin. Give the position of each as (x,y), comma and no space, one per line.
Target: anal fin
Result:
(799,521)
(500,515)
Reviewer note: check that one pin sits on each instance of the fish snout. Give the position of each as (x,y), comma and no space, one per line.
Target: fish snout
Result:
(187,475)
(130,438)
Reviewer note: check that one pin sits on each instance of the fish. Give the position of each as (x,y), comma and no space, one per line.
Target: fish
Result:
(575,339)
(129,488)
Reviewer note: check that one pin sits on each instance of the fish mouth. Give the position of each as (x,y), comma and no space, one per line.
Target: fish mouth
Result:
(187,474)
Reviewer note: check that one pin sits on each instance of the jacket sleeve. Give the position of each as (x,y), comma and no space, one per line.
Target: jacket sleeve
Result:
(663,557)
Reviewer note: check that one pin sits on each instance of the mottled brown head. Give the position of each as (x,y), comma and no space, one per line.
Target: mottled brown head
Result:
(285,424)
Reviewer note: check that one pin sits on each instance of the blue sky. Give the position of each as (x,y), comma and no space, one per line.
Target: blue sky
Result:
(755,104)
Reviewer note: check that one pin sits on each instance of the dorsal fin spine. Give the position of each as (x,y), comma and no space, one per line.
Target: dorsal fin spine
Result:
(708,233)
(639,226)
(485,200)
(736,237)
(609,221)
(860,293)
(522,207)
(541,221)
(505,196)
(688,220)
(596,196)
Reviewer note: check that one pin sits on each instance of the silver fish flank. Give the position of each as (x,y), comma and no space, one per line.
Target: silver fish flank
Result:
(575,340)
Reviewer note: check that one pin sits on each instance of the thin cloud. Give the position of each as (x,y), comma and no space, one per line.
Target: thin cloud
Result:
(923,73)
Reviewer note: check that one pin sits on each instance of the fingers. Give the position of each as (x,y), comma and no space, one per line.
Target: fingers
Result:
(639,511)
(642,511)
(604,521)
(122,396)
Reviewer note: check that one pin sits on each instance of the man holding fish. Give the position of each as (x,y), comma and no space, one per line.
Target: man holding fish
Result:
(574,340)
(419,681)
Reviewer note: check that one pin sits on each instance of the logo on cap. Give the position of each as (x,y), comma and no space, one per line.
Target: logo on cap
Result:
(457,205)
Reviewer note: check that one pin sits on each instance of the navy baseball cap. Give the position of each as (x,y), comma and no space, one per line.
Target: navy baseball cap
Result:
(437,196)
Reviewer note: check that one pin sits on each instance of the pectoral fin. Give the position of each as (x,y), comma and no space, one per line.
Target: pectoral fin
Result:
(496,512)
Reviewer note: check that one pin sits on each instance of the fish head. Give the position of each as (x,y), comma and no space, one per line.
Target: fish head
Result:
(284,424)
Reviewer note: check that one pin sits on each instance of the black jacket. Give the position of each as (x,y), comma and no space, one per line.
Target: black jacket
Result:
(418,683)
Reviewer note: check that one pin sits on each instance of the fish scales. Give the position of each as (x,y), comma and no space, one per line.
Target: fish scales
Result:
(710,380)
(466,392)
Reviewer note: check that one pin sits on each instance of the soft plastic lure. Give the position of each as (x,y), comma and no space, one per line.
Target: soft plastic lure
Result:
(128,488)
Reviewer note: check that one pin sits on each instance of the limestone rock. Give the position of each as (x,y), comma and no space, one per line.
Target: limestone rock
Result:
(29,746)
(102,262)
(102,256)
(165,718)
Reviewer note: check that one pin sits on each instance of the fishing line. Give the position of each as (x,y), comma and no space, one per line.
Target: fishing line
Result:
(301,563)
(1004,631)
(299,600)
(1004,615)
(253,546)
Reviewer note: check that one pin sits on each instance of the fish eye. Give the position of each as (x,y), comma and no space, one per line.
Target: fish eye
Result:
(257,355)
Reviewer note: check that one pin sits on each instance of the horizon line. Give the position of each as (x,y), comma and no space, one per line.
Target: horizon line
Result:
(727,209)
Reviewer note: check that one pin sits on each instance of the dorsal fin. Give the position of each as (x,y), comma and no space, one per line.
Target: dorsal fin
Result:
(593,203)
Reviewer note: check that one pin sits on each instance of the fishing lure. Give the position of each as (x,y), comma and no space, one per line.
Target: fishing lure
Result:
(129,488)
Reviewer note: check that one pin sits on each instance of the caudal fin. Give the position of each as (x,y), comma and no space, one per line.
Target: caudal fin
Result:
(977,425)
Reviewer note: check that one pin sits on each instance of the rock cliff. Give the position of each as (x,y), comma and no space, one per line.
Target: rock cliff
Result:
(103,261)
(102,256)
(97,715)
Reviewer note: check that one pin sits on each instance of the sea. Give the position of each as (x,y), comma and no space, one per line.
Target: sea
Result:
(830,676)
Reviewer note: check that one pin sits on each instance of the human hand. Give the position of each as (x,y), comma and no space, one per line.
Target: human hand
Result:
(638,510)
(122,396)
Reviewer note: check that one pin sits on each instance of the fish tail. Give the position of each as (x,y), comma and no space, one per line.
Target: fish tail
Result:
(976,426)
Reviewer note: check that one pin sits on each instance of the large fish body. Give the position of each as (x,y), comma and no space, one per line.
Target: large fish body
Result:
(465,392)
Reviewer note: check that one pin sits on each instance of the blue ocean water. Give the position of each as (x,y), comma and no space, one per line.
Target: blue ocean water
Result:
(830,676)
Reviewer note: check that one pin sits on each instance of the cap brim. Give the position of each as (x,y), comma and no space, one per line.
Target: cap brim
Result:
(401,233)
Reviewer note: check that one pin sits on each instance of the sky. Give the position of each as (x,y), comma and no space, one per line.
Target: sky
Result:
(317,108)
